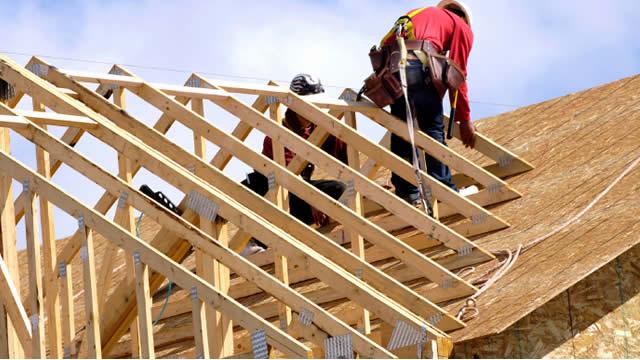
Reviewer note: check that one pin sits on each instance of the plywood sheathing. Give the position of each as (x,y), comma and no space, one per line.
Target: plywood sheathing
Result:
(599,317)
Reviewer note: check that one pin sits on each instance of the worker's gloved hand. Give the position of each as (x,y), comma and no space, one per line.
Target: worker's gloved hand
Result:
(468,133)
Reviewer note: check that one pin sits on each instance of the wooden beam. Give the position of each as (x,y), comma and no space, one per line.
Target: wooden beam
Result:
(202,241)
(10,339)
(49,250)
(279,197)
(11,122)
(48,118)
(220,331)
(228,209)
(181,276)
(92,315)
(200,326)
(36,300)
(67,310)
(143,298)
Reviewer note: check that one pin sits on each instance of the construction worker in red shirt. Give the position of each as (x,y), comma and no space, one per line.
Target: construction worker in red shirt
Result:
(447,27)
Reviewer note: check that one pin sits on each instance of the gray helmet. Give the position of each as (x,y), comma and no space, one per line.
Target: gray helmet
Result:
(305,84)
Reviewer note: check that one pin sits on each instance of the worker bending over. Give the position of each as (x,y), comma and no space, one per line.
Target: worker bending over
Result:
(302,84)
(431,30)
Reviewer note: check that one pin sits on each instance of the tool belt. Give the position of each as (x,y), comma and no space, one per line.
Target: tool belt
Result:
(384,88)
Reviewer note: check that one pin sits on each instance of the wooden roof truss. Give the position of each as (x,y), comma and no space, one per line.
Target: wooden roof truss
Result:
(212,202)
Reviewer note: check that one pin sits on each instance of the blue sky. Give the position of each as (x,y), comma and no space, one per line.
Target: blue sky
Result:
(524,52)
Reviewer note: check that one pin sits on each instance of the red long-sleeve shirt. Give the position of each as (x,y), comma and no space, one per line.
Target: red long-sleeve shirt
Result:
(447,32)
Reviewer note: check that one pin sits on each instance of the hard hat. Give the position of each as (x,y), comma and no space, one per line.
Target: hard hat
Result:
(457,5)
(305,84)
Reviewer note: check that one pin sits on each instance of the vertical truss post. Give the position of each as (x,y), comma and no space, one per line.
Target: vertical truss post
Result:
(220,337)
(36,300)
(143,298)
(127,221)
(10,346)
(355,202)
(199,326)
(68,315)
(52,298)
(94,344)
(279,196)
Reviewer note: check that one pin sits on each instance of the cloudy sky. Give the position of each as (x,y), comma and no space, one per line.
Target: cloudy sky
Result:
(524,52)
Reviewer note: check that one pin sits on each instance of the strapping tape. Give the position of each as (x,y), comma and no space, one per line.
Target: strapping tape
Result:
(136,257)
(25,186)
(84,254)
(339,347)
(62,269)
(435,319)
(193,82)
(348,96)
(81,222)
(270,100)
(505,160)
(122,200)
(465,250)
(271,180)
(194,293)
(35,320)
(447,282)
(406,335)
(67,352)
(39,69)
(202,205)
(349,192)
(305,317)
(479,219)
(259,344)
(495,188)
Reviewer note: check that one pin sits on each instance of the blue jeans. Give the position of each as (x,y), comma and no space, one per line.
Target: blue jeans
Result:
(426,106)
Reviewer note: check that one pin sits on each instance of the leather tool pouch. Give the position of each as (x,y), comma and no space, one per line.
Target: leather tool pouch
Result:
(444,73)
(382,88)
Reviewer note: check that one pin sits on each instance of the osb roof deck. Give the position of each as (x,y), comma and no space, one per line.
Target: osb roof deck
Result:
(578,144)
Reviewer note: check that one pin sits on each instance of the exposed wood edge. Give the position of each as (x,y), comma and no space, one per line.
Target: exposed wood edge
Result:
(12,122)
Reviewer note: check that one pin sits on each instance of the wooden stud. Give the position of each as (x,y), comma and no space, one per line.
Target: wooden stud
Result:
(278,195)
(355,203)
(220,333)
(67,313)
(9,339)
(200,327)
(36,301)
(94,348)
(49,250)
(143,298)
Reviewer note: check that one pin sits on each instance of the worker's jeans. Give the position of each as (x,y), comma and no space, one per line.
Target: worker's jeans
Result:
(427,110)
(299,208)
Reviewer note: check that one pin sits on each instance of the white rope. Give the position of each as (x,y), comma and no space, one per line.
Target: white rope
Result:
(469,310)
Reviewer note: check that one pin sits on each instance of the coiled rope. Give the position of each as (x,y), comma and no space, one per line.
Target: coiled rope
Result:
(470,310)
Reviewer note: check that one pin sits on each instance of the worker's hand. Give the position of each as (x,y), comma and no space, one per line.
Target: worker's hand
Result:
(320,218)
(468,133)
